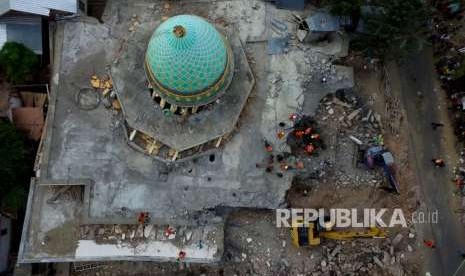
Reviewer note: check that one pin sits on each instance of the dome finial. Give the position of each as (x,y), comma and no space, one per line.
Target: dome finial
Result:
(179,31)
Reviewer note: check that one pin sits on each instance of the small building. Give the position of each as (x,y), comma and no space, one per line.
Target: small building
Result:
(26,21)
(320,24)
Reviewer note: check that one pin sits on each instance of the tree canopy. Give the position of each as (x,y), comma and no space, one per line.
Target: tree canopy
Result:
(344,7)
(13,166)
(396,28)
(391,28)
(17,61)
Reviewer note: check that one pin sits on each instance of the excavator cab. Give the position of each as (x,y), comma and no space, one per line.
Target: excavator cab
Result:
(308,235)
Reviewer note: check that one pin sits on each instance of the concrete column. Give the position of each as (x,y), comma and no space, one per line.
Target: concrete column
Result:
(218,143)
(154,148)
(154,94)
(132,135)
(184,111)
(162,103)
(175,156)
(195,109)
(174,108)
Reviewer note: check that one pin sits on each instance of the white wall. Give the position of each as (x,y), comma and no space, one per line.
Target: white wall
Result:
(2,35)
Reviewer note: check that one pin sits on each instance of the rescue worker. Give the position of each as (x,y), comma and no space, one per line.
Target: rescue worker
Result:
(169,231)
(429,243)
(141,218)
(299,133)
(438,163)
(268,146)
(436,125)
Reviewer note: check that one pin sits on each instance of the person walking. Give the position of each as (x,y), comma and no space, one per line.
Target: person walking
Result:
(438,163)
(436,125)
(429,243)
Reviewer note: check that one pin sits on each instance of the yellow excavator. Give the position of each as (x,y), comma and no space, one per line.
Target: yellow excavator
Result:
(311,234)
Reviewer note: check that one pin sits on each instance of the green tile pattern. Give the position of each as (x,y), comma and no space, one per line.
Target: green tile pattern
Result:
(190,63)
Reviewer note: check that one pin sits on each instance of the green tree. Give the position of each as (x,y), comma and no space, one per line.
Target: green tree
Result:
(395,28)
(17,61)
(13,167)
(344,7)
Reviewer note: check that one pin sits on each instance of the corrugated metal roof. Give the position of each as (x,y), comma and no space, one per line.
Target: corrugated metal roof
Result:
(323,22)
(40,7)
(19,17)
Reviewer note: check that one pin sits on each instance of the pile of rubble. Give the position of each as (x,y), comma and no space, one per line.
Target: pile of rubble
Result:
(319,66)
(362,257)
(351,114)
(346,125)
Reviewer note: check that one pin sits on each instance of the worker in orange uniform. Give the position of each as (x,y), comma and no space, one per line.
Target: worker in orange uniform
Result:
(280,134)
(299,133)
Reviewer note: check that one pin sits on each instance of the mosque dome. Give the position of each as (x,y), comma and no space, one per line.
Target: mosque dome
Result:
(188,61)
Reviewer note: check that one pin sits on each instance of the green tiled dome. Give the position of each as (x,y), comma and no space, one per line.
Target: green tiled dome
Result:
(186,58)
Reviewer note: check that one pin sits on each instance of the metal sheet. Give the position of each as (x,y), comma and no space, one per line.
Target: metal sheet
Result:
(290,4)
(40,7)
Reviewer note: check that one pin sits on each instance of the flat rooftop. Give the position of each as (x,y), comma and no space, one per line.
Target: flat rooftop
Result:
(112,183)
